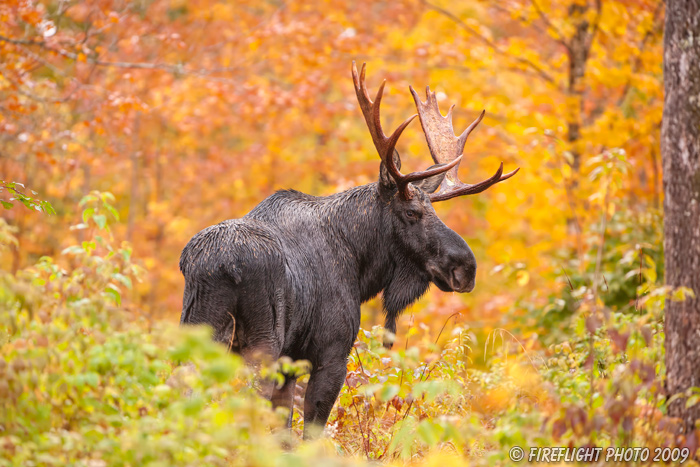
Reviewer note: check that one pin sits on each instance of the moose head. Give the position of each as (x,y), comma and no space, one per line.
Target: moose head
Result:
(421,235)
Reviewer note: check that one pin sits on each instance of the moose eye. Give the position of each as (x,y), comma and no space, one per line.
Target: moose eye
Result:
(411,214)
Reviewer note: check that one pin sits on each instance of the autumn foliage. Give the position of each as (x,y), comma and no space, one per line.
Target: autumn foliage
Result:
(191,112)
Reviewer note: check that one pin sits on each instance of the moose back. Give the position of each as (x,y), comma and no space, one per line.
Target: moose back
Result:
(288,278)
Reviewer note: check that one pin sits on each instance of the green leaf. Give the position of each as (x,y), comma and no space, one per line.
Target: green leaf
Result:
(111,291)
(126,254)
(107,197)
(123,279)
(404,438)
(88,213)
(7,204)
(428,388)
(91,198)
(47,207)
(100,220)
(428,433)
(388,392)
(112,211)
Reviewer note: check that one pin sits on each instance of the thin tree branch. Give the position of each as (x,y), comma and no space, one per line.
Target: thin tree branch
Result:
(539,71)
(640,47)
(20,41)
(494,4)
(596,24)
(465,69)
(171,68)
(529,24)
(598,111)
(22,92)
(560,37)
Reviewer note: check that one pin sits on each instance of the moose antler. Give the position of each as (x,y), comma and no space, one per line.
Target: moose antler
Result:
(445,148)
(386,145)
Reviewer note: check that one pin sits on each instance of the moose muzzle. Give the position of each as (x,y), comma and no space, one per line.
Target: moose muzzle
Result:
(455,271)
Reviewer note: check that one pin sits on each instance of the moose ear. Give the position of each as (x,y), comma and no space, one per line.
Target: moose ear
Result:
(430,184)
(387,184)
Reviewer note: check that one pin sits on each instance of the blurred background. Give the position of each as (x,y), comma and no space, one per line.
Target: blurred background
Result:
(192,112)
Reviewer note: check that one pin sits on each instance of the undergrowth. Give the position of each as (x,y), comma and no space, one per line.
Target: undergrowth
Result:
(84,380)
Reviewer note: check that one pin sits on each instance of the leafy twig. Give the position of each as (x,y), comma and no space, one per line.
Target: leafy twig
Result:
(31,203)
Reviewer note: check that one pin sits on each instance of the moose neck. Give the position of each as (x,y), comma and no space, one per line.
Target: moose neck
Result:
(361,230)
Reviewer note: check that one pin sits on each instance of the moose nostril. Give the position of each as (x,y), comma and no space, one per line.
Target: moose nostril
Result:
(457,278)
(463,278)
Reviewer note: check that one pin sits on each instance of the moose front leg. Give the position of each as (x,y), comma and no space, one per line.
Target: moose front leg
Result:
(321,393)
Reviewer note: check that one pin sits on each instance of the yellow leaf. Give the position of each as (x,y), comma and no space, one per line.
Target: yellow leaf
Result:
(566,171)
(522,277)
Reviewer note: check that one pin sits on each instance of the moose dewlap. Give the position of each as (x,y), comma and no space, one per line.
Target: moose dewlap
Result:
(289,277)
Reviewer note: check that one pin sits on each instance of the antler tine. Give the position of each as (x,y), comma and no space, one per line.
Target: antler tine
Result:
(386,145)
(467,189)
(465,134)
(371,111)
(446,147)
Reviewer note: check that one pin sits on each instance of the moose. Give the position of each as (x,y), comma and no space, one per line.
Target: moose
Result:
(289,277)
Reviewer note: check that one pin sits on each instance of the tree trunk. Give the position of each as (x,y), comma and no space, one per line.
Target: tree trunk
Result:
(578,49)
(578,56)
(680,149)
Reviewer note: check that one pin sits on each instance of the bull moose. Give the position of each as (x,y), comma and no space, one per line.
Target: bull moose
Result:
(289,277)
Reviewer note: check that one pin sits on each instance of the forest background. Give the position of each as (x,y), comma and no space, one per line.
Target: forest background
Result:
(192,112)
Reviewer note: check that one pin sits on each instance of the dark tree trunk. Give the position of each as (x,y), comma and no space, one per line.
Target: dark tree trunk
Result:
(680,149)
(578,48)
